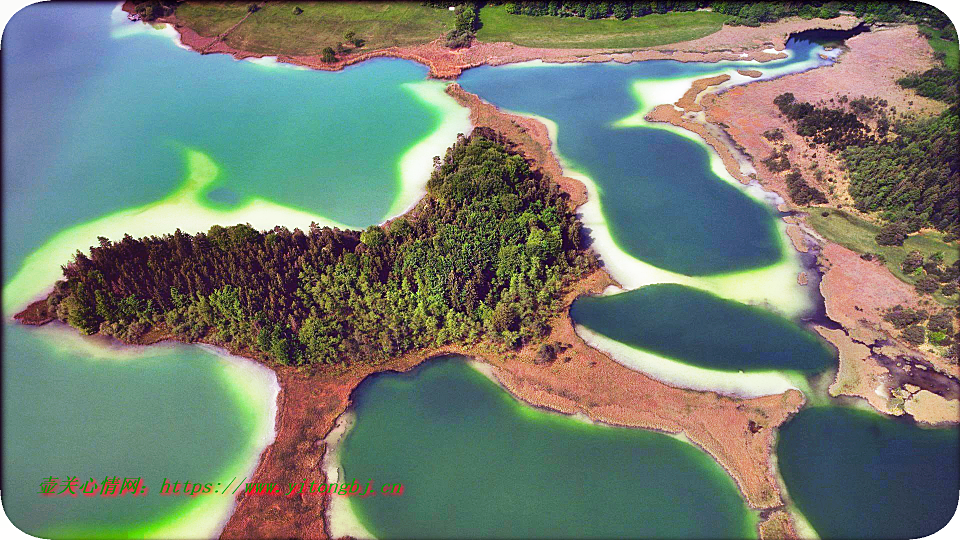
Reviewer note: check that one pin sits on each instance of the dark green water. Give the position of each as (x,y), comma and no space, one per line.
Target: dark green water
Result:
(661,200)
(696,327)
(476,463)
(855,474)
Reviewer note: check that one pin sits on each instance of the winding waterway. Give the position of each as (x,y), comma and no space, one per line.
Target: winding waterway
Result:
(476,463)
(110,128)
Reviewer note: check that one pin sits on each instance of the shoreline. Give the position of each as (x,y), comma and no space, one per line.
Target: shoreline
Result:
(765,44)
(870,355)
(581,383)
(514,371)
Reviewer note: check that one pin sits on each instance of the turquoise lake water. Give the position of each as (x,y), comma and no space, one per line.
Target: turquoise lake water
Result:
(74,407)
(696,327)
(96,124)
(855,474)
(476,463)
(661,200)
(133,133)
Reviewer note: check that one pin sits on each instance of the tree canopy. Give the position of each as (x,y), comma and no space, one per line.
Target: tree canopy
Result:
(485,255)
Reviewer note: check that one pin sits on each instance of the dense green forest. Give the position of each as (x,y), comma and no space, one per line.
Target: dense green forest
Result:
(907,169)
(485,255)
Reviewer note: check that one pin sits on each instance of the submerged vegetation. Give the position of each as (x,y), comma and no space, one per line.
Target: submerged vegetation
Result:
(485,255)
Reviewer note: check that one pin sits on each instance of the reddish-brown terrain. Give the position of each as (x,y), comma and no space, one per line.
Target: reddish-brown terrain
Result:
(729,43)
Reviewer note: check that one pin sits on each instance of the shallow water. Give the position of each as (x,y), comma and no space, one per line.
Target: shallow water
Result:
(101,119)
(855,474)
(112,128)
(699,328)
(662,202)
(474,462)
(89,408)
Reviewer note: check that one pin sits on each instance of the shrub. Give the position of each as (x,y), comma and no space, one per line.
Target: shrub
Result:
(892,235)
(914,335)
(329,55)
(949,289)
(546,353)
(941,322)
(777,162)
(927,285)
(801,192)
(773,134)
(901,317)
(913,261)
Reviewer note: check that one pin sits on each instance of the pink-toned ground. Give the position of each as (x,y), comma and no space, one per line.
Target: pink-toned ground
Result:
(738,433)
(729,43)
(689,101)
(871,67)
(778,526)
(856,293)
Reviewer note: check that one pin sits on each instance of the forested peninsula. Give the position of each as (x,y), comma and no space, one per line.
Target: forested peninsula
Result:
(496,227)
(487,254)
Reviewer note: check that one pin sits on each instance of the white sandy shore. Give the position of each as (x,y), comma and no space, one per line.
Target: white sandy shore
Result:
(773,286)
(674,373)
(254,387)
(184,208)
(416,164)
(341,520)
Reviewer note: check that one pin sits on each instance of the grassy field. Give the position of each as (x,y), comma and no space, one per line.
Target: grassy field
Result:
(275,29)
(949,48)
(211,18)
(858,235)
(574,32)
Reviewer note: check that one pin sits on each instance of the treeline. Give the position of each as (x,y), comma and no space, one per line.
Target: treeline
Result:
(740,12)
(836,128)
(912,178)
(486,254)
(937,83)
(466,22)
(153,9)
